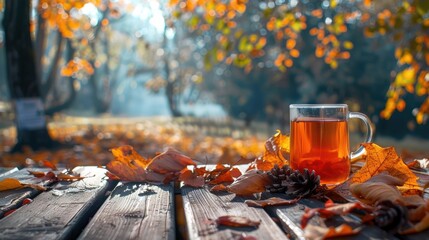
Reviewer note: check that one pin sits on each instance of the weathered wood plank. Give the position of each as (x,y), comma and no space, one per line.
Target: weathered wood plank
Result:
(60,213)
(13,198)
(203,207)
(135,211)
(290,217)
(6,171)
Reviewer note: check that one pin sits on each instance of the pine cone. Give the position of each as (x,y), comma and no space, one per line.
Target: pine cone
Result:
(278,177)
(390,217)
(292,182)
(302,184)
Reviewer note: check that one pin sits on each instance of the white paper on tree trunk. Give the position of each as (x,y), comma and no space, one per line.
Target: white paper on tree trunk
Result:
(29,113)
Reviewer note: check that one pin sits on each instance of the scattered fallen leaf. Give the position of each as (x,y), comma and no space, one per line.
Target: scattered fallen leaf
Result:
(12,183)
(385,160)
(419,227)
(253,181)
(170,161)
(50,165)
(419,163)
(27,201)
(37,174)
(69,177)
(329,211)
(236,221)
(274,201)
(218,188)
(112,176)
(9,184)
(191,178)
(128,165)
(318,233)
(371,193)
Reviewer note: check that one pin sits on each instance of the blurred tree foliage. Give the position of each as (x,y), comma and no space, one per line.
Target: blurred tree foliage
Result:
(368,44)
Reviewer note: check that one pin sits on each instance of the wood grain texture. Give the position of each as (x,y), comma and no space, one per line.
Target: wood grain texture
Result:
(202,208)
(60,213)
(290,217)
(135,211)
(7,171)
(12,199)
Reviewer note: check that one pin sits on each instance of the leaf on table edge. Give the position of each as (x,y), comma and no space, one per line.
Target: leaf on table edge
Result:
(273,201)
(236,221)
(318,232)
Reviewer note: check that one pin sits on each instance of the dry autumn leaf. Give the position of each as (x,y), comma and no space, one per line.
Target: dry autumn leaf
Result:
(329,211)
(128,165)
(276,148)
(253,181)
(37,174)
(169,161)
(218,188)
(274,201)
(50,165)
(318,233)
(236,221)
(191,178)
(379,160)
(422,225)
(12,183)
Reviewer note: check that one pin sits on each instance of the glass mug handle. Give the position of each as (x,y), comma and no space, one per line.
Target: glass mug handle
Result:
(369,131)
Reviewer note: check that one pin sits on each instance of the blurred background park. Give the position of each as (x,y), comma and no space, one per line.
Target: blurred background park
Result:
(215,78)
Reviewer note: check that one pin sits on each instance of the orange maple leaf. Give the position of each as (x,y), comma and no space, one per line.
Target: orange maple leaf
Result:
(380,160)
(128,165)
(276,148)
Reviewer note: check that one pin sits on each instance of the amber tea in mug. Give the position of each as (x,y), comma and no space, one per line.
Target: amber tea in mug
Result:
(320,140)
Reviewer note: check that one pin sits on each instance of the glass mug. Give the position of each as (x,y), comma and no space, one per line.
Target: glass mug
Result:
(320,140)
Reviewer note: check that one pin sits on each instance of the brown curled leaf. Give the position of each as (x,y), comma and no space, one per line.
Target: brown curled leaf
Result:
(253,181)
(274,201)
(236,221)
(317,232)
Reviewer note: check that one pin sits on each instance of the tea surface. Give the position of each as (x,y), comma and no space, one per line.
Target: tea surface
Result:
(321,145)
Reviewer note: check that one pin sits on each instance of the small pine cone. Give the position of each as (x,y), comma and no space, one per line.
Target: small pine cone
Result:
(278,177)
(302,184)
(390,217)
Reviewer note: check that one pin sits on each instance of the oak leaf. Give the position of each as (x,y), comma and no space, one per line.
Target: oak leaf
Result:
(253,181)
(274,201)
(379,160)
(317,232)
(236,221)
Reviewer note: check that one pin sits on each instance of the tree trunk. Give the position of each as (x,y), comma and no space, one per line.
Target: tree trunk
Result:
(69,81)
(22,78)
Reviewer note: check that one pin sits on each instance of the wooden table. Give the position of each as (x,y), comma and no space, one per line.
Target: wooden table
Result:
(94,208)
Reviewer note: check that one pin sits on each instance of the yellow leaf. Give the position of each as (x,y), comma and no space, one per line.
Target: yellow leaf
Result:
(348,45)
(379,160)
(9,184)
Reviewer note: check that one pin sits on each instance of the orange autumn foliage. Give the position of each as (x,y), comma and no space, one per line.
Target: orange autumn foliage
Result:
(380,160)
(277,148)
